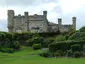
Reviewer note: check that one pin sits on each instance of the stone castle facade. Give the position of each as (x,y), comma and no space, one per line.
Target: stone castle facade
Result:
(36,23)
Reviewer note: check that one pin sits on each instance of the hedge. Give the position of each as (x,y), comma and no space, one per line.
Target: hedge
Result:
(64,45)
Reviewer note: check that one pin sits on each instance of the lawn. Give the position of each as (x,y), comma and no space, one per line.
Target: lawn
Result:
(28,56)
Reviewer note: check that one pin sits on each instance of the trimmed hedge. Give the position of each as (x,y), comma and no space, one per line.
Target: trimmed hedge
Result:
(64,46)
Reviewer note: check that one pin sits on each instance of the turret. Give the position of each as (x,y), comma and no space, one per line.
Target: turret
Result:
(10,20)
(45,14)
(46,21)
(59,22)
(26,14)
(74,22)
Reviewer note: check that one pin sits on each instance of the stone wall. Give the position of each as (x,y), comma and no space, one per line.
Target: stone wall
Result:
(36,23)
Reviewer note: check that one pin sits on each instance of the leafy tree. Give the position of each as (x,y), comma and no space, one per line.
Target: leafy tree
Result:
(82,29)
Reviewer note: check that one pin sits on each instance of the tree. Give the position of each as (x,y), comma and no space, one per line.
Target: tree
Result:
(82,29)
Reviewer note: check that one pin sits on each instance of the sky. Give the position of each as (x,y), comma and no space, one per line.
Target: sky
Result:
(65,9)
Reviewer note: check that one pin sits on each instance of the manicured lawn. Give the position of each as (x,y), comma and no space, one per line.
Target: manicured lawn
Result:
(28,56)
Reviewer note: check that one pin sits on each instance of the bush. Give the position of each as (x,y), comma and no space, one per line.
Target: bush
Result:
(35,40)
(77,36)
(60,38)
(63,46)
(83,54)
(44,54)
(36,46)
(16,45)
(56,54)
(77,54)
(52,47)
(76,47)
(6,50)
(84,48)
(69,53)
(82,29)
(47,42)
(59,53)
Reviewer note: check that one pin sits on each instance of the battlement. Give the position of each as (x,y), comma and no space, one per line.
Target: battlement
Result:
(36,23)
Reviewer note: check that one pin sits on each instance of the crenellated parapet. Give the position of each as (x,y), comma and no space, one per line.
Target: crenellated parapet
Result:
(36,23)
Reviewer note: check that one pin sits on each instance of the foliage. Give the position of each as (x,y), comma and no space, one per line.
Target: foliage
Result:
(77,54)
(47,41)
(44,53)
(63,46)
(84,48)
(2,36)
(59,53)
(25,57)
(60,38)
(82,29)
(34,40)
(76,47)
(77,36)
(6,50)
(36,46)
(69,53)
(16,45)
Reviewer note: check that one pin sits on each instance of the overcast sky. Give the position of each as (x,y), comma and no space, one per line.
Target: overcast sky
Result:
(64,9)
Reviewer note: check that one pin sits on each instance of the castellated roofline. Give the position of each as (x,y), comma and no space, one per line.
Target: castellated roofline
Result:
(30,23)
(27,13)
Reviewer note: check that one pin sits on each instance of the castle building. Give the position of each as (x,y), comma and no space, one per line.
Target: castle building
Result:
(36,23)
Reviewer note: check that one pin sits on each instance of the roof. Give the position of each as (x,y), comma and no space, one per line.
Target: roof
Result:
(51,23)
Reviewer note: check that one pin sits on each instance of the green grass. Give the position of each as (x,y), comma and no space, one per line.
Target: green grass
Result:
(26,56)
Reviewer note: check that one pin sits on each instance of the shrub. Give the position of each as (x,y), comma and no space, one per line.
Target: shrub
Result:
(83,54)
(16,45)
(75,47)
(69,53)
(60,38)
(6,50)
(82,29)
(84,48)
(56,54)
(44,54)
(36,46)
(63,46)
(77,36)
(47,41)
(34,40)
(52,47)
(59,53)
(77,54)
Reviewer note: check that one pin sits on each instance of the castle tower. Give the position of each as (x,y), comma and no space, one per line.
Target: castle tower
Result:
(10,20)
(74,22)
(26,14)
(59,22)
(45,20)
(45,14)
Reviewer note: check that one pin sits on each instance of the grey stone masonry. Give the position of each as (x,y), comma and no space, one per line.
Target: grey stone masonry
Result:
(35,23)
